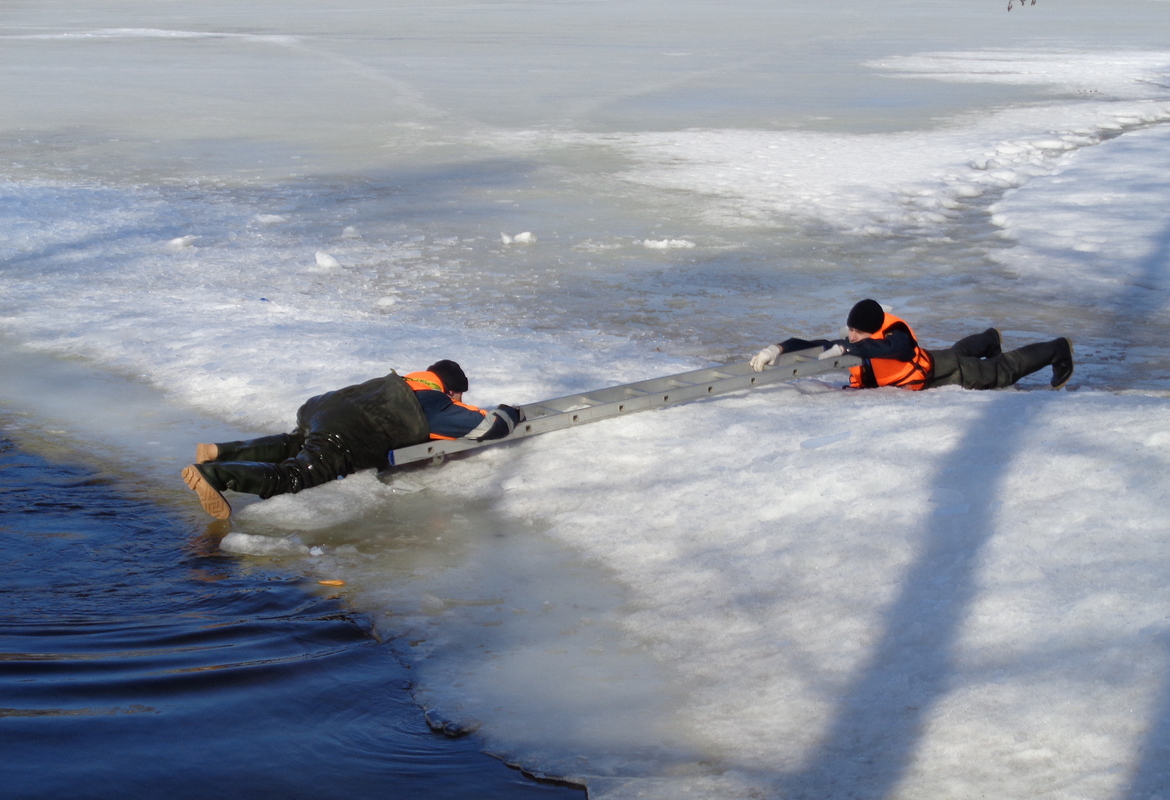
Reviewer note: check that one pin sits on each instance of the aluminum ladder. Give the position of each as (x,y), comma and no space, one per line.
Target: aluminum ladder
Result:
(577,409)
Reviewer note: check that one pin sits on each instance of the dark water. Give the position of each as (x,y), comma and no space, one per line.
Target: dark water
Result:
(136,661)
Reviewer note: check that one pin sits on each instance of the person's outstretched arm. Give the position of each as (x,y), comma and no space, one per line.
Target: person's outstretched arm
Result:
(767,357)
(897,345)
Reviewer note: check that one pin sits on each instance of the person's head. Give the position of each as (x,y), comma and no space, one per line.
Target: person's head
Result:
(865,319)
(451,374)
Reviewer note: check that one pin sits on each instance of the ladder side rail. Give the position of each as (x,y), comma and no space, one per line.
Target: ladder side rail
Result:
(656,384)
(669,392)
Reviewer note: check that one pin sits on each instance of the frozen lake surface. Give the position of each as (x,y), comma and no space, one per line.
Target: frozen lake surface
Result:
(943,595)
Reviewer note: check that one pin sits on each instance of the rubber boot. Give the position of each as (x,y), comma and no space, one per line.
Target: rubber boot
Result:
(995,349)
(210,496)
(1034,357)
(212,479)
(1062,365)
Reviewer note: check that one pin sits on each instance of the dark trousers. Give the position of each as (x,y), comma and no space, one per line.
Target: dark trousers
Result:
(976,362)
(282,464)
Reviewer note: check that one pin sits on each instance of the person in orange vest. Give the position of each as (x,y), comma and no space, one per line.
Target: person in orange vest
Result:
(891,355)
(344,431)
(439,390)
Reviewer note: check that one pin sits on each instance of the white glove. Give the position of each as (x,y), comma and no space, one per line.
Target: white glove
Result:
(832,352)
(765,358)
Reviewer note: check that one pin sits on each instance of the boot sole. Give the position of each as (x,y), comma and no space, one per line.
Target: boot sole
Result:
(210,498)
(1071,366)
(205,453)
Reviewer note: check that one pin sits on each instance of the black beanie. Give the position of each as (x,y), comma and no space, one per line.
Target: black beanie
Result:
(867,317)
(451,374)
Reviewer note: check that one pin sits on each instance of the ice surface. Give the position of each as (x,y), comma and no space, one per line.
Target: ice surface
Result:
(326,261)
(798,592)
(254,545)
(928,574)
(914,182)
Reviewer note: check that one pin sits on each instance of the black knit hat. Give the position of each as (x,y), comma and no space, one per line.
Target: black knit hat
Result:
(867,317)
(451,374)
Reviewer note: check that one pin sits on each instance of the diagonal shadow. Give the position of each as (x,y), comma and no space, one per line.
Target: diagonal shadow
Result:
(1151,775)
(872,742)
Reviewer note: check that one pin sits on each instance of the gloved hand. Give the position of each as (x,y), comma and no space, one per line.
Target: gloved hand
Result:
(515,412)
(765,358)
(832,352)
(498,424)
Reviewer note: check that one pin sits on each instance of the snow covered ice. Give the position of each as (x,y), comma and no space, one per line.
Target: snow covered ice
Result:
(793,592)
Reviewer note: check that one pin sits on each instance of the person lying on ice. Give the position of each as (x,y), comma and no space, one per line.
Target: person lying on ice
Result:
(344,431)
(891,356)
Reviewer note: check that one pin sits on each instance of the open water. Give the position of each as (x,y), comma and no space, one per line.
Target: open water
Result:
(137,660)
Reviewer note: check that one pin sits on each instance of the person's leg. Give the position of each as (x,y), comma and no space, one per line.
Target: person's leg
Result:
(980,345)
(1006,369)
(944,370)
(270,449)
(322,458)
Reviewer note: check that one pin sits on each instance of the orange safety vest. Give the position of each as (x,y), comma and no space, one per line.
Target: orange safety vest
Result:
(425,382)
(430,382)
(910,374)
